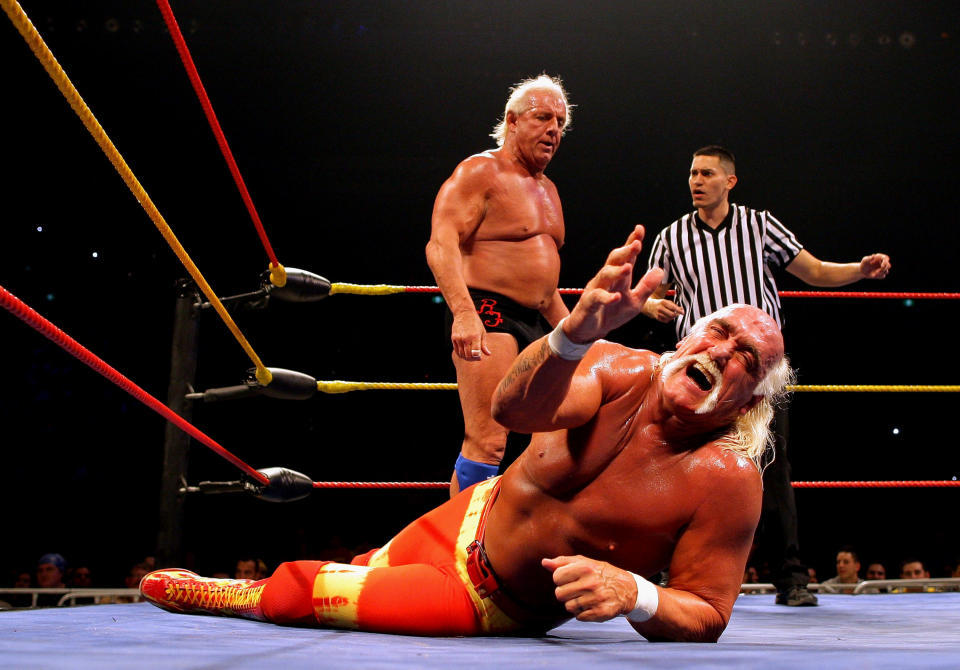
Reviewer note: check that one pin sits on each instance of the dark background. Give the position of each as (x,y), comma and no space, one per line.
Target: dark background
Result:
(345,118)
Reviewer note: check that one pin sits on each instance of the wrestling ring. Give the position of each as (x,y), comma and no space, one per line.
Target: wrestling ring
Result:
(865,630)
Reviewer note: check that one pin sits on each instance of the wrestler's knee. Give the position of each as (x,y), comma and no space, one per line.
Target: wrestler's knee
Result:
(288,595)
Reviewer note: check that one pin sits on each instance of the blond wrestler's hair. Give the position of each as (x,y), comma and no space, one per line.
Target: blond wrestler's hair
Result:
(751,435)
(517,102)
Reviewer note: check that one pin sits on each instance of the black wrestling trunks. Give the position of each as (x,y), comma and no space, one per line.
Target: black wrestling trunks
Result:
(500,314)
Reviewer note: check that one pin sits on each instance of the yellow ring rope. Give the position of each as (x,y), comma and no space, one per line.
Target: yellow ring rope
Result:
(60,78)
(345,387)
(360,289)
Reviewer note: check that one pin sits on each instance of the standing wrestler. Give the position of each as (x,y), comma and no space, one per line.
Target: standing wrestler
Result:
(637,463)
(496,232)
(723,253)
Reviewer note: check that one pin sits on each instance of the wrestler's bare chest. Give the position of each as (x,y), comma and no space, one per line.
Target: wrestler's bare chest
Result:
(521,207)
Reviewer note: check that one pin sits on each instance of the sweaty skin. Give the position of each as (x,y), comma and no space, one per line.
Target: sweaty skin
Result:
(623,474)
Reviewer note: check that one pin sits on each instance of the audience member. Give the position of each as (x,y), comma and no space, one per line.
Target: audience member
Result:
(251,568)
(813,575)
(80,577)
(913,568)
(132,581)
(750,575)
(21,579)
(848,572)
(876,571)
(49,575)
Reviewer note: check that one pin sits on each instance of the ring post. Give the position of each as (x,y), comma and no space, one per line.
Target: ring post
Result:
(176,447)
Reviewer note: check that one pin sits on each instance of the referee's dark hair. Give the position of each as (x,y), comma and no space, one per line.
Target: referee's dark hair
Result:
(724,154)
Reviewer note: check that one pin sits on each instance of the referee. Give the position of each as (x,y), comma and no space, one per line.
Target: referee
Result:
(723,253)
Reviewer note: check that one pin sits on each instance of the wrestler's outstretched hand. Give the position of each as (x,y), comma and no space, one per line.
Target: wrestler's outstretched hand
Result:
(610,299)
(592,590)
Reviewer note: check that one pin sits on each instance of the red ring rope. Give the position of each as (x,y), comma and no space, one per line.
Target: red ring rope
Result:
(33,319)
(868,294)
(381,485)
(915,295)
(908,483)
(201,92)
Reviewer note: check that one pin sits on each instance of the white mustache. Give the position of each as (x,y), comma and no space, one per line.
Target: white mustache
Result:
(709,368)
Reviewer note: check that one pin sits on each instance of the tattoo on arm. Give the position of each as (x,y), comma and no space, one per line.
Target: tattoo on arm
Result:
(523,365)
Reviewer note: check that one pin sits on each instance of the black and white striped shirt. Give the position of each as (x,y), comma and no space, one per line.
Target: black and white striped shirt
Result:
(733,263)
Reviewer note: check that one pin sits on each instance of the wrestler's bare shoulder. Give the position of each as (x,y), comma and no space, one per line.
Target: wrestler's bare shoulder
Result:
(495,164)
(478,168)
(727,474)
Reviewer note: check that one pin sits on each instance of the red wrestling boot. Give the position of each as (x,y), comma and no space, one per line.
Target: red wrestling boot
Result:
(185,592)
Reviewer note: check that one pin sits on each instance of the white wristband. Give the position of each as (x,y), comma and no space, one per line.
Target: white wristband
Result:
(648,599)
(561,345)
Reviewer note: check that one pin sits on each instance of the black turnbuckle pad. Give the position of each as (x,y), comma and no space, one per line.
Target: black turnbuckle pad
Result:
(301,286)
(285,485)
(286,384)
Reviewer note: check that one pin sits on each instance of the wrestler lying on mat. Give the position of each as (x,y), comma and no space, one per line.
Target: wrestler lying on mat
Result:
(638,463)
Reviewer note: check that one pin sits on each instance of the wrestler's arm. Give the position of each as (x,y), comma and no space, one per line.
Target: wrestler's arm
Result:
(707,566)
(811,270)
(555,310)
(659,307)
(705,572)
(457,212)
(543,391)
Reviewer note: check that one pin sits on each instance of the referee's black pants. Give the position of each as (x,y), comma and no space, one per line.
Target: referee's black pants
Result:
(778,540)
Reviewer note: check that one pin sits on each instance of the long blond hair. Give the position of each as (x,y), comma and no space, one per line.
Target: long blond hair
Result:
(751,435)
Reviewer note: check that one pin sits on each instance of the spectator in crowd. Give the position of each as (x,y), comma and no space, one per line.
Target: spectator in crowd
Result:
(80,577)
(913,568)
(813,575)
(848,572)
(251,568)
(876,571)
(49,575)
(19,579)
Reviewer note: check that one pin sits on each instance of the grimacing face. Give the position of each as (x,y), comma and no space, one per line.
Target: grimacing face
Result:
(717,367)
